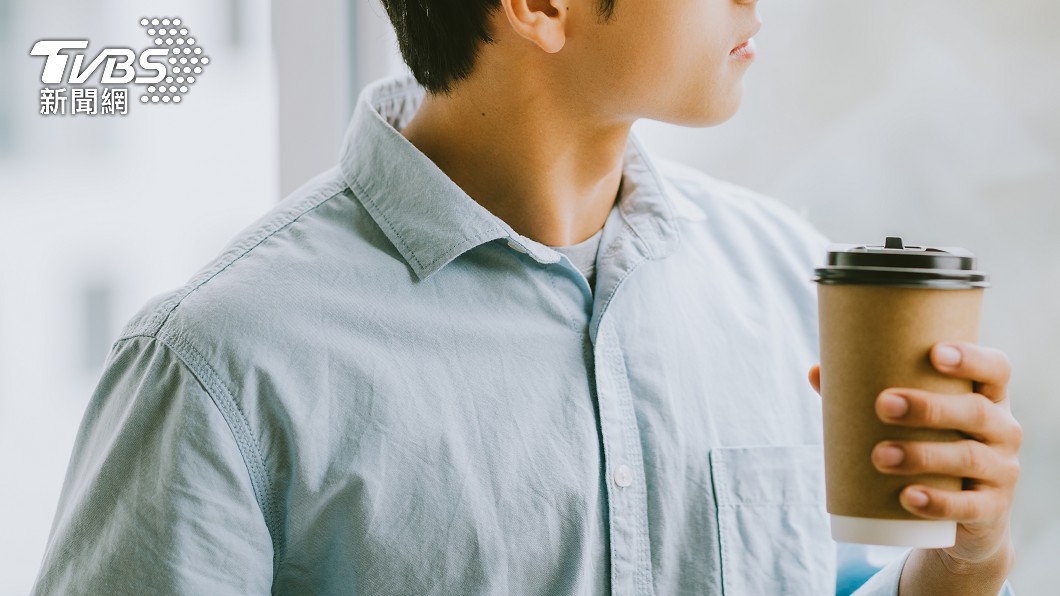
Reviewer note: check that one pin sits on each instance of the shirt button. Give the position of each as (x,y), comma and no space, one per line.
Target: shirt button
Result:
(623,475)
(516,247)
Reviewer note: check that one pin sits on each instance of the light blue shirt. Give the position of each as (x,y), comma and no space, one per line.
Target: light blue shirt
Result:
(382,388)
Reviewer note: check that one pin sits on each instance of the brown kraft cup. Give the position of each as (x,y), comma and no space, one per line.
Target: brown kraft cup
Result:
(881,310)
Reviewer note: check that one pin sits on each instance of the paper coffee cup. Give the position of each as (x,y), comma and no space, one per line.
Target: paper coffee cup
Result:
(881,310)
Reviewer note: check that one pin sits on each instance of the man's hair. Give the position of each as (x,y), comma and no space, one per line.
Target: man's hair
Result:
(440,47)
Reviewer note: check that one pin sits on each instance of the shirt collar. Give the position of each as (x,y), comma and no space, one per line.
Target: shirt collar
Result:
(431,220)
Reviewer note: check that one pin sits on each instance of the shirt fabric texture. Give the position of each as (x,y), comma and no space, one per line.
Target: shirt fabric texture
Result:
(379,387)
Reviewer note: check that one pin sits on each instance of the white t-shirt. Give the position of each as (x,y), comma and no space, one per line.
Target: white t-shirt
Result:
(583,255)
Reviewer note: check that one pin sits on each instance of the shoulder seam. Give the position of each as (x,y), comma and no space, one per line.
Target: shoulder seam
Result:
(151,325)
(249,448)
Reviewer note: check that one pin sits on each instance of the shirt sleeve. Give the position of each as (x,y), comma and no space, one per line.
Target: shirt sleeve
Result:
(157,498)
(866,570)
(869,570)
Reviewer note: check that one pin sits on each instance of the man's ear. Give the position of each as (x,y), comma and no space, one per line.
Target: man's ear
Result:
(543,22)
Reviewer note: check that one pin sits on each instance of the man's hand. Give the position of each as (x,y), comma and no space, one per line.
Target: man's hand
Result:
(987,460)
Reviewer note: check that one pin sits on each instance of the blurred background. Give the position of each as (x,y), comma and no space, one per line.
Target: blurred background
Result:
(935,121)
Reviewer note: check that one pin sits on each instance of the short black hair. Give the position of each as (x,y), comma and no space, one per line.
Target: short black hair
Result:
(440,47)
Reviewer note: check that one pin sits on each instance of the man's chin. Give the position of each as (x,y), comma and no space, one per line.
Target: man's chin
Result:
(702,119)
(702,114)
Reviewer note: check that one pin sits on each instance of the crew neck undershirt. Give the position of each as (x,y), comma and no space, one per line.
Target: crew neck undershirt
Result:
(583,255)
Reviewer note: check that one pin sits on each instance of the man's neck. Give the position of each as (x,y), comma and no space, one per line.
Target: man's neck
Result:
(514,149)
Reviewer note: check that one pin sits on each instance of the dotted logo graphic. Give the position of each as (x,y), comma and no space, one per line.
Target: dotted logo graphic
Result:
(185,61)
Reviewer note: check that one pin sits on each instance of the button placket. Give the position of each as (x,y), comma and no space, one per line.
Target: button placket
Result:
(627,499)
(621,253)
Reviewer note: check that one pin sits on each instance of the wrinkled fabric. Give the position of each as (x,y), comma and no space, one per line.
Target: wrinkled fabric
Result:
(381,388)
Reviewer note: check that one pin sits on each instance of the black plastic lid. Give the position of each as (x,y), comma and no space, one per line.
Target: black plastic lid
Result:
(894,264)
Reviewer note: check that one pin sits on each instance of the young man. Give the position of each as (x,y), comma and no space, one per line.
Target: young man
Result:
(499,350)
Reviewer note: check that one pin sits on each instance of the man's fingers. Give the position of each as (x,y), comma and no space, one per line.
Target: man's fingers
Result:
(989,368)
(970,413)
(961,459)
(966,506)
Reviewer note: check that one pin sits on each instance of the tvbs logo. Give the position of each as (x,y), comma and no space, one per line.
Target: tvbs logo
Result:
(118,69)
(167,70)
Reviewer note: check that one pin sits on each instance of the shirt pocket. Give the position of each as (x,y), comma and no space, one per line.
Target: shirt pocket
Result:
(772,524)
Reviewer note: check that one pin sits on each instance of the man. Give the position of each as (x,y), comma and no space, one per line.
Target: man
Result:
(498,350)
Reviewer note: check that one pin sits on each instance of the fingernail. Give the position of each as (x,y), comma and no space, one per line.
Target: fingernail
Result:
(947,355)
(889,456)
(893,406)
(916,497)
